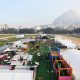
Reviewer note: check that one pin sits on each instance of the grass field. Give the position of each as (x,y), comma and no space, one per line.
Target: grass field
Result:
(11,39)
(14,38)
(2,43)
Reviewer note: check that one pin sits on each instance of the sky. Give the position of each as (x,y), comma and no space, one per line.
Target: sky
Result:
(34,12)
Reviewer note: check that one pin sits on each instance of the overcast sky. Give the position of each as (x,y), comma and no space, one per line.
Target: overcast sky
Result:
(34,12)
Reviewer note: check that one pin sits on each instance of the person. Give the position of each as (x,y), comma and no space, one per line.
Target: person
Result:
(12,67)
(21,59)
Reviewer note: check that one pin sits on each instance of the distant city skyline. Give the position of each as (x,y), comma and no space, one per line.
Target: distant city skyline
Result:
(34,12)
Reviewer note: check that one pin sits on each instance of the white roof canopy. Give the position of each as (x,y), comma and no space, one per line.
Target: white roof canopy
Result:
(7,49)
(18,74)
(72,56)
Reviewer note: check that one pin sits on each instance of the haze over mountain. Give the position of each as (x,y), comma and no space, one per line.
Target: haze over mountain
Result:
(69,17)
(67,21)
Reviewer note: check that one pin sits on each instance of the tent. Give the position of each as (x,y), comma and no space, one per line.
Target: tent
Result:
(3,48)
(17,74)
(7,49)
(30,57)
(16,42)
(27,40)
(20,36)
(20,44)
(72,56)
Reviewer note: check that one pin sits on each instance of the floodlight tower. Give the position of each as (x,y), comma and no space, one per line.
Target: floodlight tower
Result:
(5,26)
(19,29)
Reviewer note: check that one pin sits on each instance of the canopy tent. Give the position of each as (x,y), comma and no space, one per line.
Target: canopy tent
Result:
(16,42)
(25,56)
(3,48)
(27,40)
(72,56)
(30,57)
(20,36)
(20,44)
(7,49)
(43,34)
(17,74)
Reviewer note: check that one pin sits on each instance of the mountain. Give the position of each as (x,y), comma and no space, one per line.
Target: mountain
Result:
(67,21)
(69,17)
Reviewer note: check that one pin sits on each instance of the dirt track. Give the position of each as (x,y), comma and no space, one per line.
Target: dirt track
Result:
(6,37)
(76,40)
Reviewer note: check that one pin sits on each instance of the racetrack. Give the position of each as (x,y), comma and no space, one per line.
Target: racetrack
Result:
(75,40)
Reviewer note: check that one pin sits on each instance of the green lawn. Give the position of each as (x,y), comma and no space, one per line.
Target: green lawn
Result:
(13,39)
(45,70)
(9,40)
(2,43)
